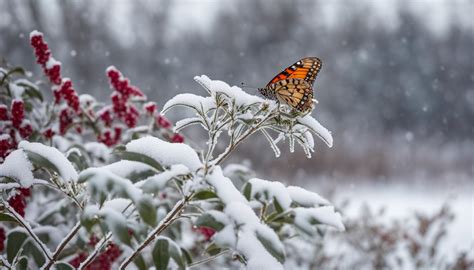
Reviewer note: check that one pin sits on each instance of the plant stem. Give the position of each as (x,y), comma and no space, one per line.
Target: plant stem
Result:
(167,221)
(207,259)
(92,256)
(24,224)
(63,244)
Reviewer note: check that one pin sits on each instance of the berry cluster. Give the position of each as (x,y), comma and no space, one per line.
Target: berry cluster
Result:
(2,239)
(111,137)
(51,67)
(18,201)
(102,262)
(66,91)
(15,123)
(206,232)
(123,91)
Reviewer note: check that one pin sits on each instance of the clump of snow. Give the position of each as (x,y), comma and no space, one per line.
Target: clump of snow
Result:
(316,128)
(126,168)
(200,103)
(53,62)
(224,187)
(158,181)
(243,233)
(305,217)
(18,167)
(306,198)
(98,150)
(35,33)
(269,190)
(103,181)
(16,90)
(166,153)
(62,164)
(236,93)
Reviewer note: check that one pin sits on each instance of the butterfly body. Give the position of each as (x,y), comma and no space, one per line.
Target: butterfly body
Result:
(294,85)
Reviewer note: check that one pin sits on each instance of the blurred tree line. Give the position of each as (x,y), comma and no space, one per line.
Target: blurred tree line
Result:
(377,79)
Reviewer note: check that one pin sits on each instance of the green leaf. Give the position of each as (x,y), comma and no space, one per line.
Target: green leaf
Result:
(160,254)
(4,217)
(35,252)
(41,161)
(175,252)
(22,263)
(140,262)
(278,207)
(213,249)
(207,220)
(140,158)
(248,191)
(187,256)
(77,159)
(15,240)
(31,91)
(147,211)
(275,251)
(204,195)
(63,266)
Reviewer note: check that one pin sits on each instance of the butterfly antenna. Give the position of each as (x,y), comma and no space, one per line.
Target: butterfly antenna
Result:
(243,85)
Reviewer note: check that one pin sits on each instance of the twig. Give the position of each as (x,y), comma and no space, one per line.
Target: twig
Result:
(63,244)
(24,224)
(160,228)
(207,259)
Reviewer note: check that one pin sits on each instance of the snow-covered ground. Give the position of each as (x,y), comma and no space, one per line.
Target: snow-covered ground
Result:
(401,201)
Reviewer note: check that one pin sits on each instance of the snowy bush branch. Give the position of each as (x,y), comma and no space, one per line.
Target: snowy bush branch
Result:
(142,196)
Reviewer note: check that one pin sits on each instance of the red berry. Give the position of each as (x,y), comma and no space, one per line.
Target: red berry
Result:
(3,112)
(177,138)
(163,122)
(207,232)
(2,239)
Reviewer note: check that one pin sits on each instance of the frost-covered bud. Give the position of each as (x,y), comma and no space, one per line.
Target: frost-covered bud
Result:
(54,72)
(162,121)
(3,112)
(150,107)
(48,133)
(5,145)
(177,138)
(206,232)
(3,237)
(42,51)
(18,112)
(25,129)
(65,120)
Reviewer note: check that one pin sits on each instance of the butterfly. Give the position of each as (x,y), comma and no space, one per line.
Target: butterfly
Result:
(294,85)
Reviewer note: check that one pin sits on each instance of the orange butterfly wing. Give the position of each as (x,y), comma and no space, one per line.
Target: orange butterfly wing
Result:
(305,69)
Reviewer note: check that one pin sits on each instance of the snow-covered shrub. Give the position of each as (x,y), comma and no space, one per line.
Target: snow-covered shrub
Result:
(95,186)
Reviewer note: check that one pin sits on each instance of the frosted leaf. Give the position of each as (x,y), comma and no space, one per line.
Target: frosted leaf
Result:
(157,182)
(102,181)
(56,158)
(273,143)
(186,123)
(18,167)
(128,168)
(306,198)
(236,93)
(316,128)
(268,190)
(165,153)
(224,187)
(306,218)
(202,104)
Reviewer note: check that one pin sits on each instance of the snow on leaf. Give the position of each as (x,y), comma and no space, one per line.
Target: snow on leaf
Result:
(315,127)
(306,198)
(165,153)
(236,93)
(199,103)
(224,187)
(157,182)
(186,123)
(51,156)
(268,190)
(130,169)
(18,167)
(306,218)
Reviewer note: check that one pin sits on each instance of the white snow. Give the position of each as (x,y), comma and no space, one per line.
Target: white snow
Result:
(166,153)
(125,168)
(104,181)
(236,93)
(268,190)
(306,198)
(16,90)
(98,150)
(187,122)
(200,103)
(224,187)
(325,215)
(157,182)
(18,167)
(53,62)
(64,167)
(35,33)
(316,128)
